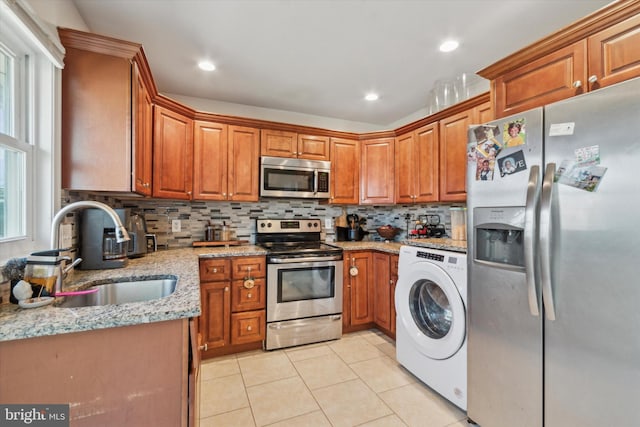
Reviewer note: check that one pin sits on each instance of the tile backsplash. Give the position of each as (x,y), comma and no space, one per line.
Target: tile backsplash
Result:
(241,217)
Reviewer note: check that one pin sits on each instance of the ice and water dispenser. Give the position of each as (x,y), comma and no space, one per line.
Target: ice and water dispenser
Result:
(499,236)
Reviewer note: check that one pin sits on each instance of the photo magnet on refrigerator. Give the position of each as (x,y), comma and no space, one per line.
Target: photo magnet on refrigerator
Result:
(511,164)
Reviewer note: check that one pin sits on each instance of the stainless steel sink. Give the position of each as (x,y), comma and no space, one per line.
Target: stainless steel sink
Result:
(121,292)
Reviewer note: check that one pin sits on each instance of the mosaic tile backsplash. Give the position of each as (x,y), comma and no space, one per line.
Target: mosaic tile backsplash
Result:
(241,217)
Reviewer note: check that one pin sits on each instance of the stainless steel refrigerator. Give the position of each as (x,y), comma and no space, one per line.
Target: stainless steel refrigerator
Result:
(554,264)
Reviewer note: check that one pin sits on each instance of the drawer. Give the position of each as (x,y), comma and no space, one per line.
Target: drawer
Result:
(248,327)
(243,298)
(242,267)
(215,269)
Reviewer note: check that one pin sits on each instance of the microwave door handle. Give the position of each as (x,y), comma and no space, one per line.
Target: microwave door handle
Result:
(315,181)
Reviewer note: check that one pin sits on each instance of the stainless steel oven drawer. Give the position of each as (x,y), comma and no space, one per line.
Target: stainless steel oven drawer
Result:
(289,333)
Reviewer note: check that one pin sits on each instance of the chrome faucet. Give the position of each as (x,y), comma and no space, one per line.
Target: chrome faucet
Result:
(121,232)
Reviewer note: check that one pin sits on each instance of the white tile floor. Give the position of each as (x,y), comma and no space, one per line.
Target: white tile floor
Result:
(354,381)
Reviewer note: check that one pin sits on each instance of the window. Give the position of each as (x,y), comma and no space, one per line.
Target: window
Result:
(13,152)
(30,68)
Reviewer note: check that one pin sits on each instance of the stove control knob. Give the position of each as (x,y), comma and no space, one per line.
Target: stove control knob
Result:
(269,225)
(310,225)
(262,225)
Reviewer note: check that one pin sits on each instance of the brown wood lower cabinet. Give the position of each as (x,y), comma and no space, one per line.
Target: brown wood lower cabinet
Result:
(233,297)
(368,296)
(385,274)
(127,376)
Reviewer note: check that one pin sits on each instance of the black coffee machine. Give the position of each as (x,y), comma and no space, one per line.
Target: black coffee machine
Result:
(98,246)
(353,231)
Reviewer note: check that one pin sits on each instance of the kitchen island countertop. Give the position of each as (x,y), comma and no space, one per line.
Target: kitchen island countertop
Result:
(19,323)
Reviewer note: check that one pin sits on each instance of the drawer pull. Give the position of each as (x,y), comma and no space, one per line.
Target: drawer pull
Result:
(215,270)
(249,283)
(249,328)
(249,295)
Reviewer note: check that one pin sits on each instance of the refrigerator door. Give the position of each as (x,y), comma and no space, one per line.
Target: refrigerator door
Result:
(592,348)
(505,339)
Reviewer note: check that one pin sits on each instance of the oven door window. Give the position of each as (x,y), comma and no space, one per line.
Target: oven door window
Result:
(300,284)
(288,180)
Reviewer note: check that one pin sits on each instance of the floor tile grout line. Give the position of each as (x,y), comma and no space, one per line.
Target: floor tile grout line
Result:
(246,393)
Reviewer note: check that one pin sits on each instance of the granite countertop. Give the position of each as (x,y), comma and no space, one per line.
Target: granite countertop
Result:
(394,247)
(20,323)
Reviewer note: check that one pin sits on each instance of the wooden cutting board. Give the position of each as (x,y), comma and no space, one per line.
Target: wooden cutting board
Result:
(220,243)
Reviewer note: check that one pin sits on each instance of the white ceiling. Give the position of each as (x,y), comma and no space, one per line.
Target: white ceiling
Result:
(320,57)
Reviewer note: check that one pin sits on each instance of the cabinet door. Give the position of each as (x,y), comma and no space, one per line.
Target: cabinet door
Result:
(313,147)
(485,113)
(216,313)
(209,161)
(551,78)
(143,135)
(376,178)
(244,164)
(172,155)
(278,143)
(345,171)
(392,294)
(404,167)
(614,54)
(425,157)
(96,121)
(382,290)
(361,288)
(453,155)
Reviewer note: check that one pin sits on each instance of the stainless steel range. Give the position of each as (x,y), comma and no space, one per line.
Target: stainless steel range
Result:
(304,283)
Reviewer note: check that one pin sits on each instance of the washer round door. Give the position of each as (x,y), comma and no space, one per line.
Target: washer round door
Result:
(431,310)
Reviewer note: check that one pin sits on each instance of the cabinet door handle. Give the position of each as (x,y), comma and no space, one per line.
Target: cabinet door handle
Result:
(577,84)
(249,328)
(249,295)
(593,79)
(204,347)
(226,289)
(215,270)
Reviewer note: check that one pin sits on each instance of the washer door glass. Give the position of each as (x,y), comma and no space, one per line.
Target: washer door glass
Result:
(430,309)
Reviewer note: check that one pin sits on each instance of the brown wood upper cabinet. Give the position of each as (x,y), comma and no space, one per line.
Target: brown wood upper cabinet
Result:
(106,113)
(225,162)
(416,165)
(377,171)
(345,171)
(172,154)
(281,143)
(599,54)
(453,152)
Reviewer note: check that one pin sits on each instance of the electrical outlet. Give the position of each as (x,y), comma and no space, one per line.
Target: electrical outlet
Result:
(176,226)
(327,223)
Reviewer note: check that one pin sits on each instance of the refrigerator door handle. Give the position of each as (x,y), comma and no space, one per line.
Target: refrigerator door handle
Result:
(530,225)
(545,241)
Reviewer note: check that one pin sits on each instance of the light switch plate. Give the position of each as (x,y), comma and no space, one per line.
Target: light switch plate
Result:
(66,236)
(176,226)
(327,223)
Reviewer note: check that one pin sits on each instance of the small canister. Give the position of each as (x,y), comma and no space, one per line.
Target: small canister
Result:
(209,233)
(458,223)
(225,232)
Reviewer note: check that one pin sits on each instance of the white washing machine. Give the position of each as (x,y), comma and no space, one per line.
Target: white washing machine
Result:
(431,327)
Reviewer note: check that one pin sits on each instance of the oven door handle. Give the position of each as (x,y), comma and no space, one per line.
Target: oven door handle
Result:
(289,260)
(283,325)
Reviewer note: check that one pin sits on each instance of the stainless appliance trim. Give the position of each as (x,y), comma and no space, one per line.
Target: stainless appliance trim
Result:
(545,241)
(279,311)
(303,331)
(284,259)
(316,167)
(530,231)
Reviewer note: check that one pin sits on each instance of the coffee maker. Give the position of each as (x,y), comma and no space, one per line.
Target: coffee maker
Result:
(99,248)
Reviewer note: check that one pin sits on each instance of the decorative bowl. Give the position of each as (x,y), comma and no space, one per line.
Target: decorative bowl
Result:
(388,232)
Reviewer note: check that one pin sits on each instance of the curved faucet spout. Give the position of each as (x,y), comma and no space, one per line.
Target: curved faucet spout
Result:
(121,232)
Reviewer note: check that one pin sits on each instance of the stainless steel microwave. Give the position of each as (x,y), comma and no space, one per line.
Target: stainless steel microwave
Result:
(284,177)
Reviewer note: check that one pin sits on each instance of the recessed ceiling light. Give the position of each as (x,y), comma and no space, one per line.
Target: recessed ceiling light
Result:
(206,65)
(371,96)
(449,45)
